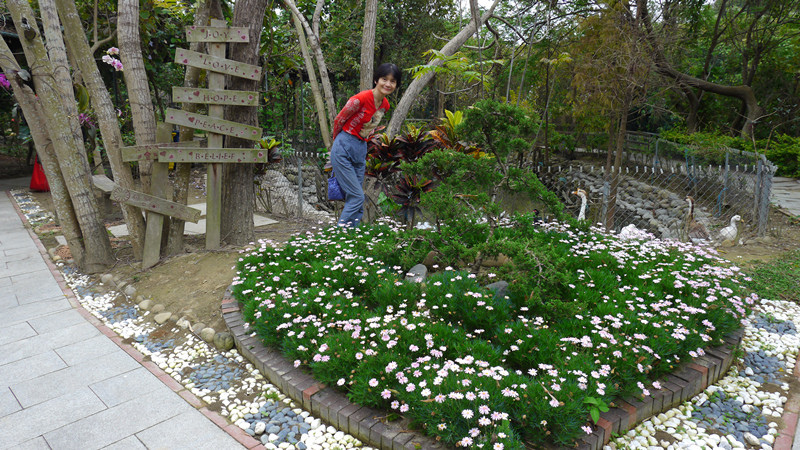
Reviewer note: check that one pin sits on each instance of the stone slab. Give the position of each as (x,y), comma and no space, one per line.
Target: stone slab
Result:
(30,423)
(73,378)
(129,443)
(127,386)
(87,349)
(110,425)
(16,332)
(28,368)
(37,443)
(35,289)
(45,342)
(190,428)
(56,321)
(23,313)
(8,403)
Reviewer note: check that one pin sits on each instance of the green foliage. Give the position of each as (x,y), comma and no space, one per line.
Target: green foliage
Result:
(782,150)
(337,303)
(777,279)
(596,406)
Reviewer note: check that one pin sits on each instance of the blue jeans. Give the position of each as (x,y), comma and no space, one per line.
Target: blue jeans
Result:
(348,158)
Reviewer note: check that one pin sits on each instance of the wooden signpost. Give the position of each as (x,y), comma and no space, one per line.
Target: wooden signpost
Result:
(216,97)
(216,36)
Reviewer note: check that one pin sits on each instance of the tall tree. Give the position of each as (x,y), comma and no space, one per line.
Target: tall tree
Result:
(130,45)
(32,109)
(415,88)
(368,43)
(71,159)
(79,48)
(238,195)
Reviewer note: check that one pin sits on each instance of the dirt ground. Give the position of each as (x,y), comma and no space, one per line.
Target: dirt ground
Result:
(192,284)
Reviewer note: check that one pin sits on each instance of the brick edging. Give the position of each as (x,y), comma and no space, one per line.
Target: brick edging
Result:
(235,432)
(683,384)
(329,404)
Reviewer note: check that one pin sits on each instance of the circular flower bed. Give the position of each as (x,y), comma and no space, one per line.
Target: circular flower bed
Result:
(586,318)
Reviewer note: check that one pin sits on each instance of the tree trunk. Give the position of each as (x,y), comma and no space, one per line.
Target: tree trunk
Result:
(31,108)
(130,53)
(415,88)
(106,116)
(58,57)
(312,78)
(742,92)
(323,68)
(72,160)
(180,188)
(368,43)
(238,194)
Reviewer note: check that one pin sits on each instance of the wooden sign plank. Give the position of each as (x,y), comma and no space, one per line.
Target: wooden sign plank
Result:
(213,155)
(149,152)
(217,64)
(155,204)
(158,188)
(217,34)
(214,97)
(213,125)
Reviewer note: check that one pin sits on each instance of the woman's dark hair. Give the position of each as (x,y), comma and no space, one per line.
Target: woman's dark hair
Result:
(387,69)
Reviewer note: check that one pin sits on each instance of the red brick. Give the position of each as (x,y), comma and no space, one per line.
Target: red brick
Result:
(703,369)
(790,420)
(170,382)
(191,398)
(793,404)
(606,426)
(783,443)
(240,436)
(214,417)
(231,309)
(311,391)
(633,415)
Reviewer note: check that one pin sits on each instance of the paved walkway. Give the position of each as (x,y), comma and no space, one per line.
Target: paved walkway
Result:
(63,383)
(786,194)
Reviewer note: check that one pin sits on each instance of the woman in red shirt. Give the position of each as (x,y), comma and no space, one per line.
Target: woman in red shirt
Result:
(352,128)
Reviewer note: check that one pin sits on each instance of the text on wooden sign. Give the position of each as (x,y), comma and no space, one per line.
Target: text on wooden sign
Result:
(214,96)
(212,124)
(155,204)
(217,34)
(215,64)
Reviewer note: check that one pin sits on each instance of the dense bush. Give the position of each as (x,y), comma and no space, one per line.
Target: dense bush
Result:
(586,319)
(782,150)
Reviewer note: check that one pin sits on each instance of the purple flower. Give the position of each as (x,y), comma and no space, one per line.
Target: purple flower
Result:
(4,81)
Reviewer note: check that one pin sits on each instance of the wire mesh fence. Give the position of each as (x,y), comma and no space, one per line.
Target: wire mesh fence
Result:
(295,187)
(650,188)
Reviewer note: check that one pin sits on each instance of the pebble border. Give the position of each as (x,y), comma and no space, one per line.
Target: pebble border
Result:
(324,402)
(235,432)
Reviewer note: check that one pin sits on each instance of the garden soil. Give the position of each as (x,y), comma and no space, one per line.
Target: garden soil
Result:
(192,284)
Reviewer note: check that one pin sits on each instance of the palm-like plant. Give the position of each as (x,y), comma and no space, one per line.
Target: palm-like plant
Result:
(415,143)
(384,155)
(408,193)
(445,135)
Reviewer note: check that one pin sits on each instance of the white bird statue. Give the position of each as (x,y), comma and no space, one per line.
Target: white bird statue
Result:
(582,194)
(730,232)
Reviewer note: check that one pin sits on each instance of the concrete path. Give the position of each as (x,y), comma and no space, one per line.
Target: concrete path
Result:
(786,194)
(63,383)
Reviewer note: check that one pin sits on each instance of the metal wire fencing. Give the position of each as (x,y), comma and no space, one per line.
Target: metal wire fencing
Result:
(295,187)
(650,187)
